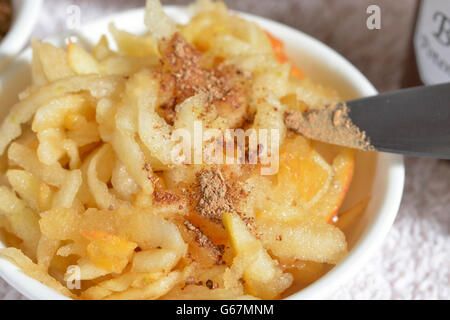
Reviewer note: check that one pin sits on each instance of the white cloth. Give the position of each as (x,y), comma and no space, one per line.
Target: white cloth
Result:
(414,260)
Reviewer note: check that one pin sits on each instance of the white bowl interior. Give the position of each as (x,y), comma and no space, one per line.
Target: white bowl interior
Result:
(383,180)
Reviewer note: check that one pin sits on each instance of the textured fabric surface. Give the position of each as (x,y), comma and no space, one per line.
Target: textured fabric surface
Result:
(414,260)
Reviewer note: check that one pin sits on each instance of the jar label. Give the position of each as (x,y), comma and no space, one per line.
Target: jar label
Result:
(432,41)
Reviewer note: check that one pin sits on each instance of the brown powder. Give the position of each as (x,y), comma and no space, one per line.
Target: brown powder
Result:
(250,223)
(5,17)
(214,200)
(225,86)
(330,124)
(165,197)
(183,62)
(203,241)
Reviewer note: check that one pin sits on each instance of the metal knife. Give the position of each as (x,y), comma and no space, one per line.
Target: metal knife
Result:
(413,121)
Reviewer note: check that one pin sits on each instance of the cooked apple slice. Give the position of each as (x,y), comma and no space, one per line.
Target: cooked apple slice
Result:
(132,45)
(304,179)
(81,61)
(306,272)
(155,260)
(101,50)
(262,275)
(312,189)
(49,63)
(29,188)
(23,221)
(280,54)
(347,218)
(343,167)
(107,251)
(309,241)
(303,173)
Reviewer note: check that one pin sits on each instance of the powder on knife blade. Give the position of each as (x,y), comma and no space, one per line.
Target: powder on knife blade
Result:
(330,124)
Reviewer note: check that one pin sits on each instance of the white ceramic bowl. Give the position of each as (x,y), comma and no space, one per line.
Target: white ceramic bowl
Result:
(25,15)
(317,61)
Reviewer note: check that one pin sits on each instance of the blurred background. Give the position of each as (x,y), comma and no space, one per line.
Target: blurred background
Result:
(413,262)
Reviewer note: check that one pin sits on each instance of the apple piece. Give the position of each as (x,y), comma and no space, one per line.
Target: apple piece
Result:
(347,218)
(343,168)
(49,63)
(133,45)
(304,176)
(307,272)
(155,260)
(81,61)
(308,241)
(107,251)
(280,54)
(262,275)
(101,50)
(297,73)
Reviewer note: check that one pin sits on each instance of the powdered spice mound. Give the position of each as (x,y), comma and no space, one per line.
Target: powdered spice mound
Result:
(330,124)
(214,201)
(225,86)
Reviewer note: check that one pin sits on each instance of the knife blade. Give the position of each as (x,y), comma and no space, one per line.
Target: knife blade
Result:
(413,121)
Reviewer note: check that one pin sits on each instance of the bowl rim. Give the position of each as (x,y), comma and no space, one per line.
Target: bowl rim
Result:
(367,242)
(21,28)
